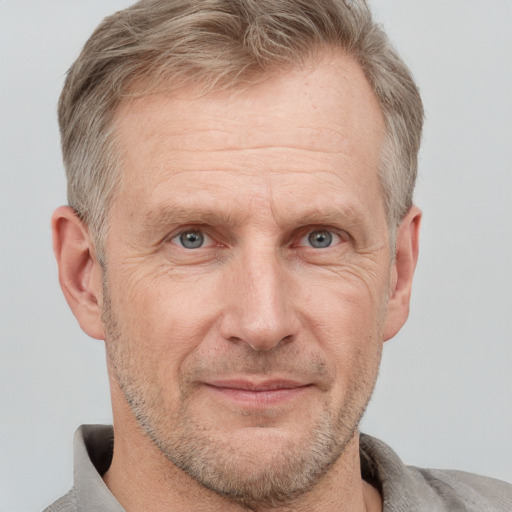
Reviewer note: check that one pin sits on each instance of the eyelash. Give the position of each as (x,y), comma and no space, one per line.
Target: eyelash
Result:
(337,236)
(201,231)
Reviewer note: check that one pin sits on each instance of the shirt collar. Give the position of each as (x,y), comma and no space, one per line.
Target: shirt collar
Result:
(93,449)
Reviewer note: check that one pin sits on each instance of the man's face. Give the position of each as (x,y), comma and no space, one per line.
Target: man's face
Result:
(248,271)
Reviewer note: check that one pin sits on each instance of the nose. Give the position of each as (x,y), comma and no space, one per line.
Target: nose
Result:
(259,308)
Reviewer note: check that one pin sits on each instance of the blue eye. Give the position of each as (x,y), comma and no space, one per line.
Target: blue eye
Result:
(320,239)
(191,239)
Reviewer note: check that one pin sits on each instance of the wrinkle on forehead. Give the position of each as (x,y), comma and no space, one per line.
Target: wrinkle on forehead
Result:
(229,119)
(290,146)
(264,203)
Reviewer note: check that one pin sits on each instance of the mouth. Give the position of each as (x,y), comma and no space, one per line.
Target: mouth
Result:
(257,394)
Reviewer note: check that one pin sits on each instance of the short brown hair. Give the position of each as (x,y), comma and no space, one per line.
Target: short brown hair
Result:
(222,44)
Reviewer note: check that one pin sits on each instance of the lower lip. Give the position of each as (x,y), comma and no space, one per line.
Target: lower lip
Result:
(259,398)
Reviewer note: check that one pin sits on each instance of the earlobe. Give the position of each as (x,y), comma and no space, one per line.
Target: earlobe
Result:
(80,274)
(402,272)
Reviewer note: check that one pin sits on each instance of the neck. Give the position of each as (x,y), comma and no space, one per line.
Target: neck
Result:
(142,478)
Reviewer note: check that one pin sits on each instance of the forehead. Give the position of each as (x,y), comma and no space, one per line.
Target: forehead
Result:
(332,94)
(319,124)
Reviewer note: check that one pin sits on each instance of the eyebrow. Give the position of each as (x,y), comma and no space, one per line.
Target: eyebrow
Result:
(175,215)
(331,215)
(171,215)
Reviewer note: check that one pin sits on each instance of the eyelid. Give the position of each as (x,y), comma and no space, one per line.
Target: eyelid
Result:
(303,233)
(175,236)
(342,236)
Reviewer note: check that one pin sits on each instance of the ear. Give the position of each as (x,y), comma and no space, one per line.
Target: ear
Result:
(402,272)
(80,274)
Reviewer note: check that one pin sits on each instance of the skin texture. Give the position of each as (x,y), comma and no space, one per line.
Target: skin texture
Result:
(240,369)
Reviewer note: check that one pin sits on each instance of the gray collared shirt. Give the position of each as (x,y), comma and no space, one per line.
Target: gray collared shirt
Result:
(404,488)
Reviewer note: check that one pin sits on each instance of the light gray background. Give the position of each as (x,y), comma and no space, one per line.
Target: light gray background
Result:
(444,398)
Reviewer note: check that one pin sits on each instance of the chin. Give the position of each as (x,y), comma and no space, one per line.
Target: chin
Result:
(256,465)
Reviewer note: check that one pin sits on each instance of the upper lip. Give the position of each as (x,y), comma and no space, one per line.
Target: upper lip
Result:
(256,385)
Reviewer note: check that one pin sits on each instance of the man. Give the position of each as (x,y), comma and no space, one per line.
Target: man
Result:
(241,234)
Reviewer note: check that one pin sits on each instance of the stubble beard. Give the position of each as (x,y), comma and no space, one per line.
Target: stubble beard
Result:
(212,458)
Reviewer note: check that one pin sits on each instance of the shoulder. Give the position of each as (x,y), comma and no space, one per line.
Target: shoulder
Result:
(65,504)
(413,489)
(467,491)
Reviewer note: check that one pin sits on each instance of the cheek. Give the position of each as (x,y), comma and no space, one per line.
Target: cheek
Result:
(163,318)
(346,319)
(348,304)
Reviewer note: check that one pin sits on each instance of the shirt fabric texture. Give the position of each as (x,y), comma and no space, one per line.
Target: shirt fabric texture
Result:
(403,488)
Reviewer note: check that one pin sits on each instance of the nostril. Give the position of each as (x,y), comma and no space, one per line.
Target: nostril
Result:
(261,344)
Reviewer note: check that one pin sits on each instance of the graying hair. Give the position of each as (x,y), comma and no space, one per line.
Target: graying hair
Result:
(223,44)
